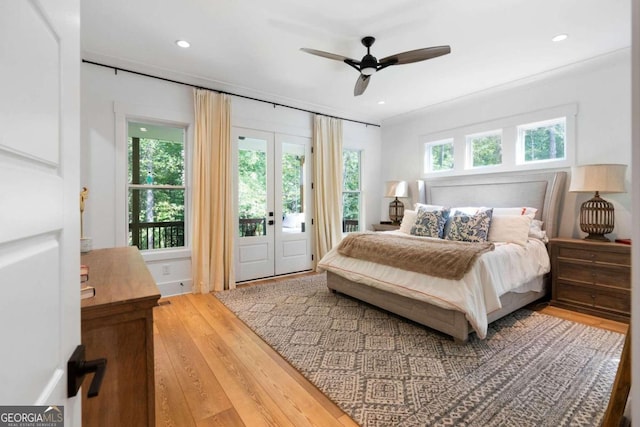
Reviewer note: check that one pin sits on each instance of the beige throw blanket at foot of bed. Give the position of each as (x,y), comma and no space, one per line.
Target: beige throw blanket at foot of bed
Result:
(440,258)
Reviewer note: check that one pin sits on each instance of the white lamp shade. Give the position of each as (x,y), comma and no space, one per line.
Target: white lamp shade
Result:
(396,189)
(601,178)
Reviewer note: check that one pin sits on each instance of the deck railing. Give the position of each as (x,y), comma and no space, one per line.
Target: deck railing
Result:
(252,227)
(156,235)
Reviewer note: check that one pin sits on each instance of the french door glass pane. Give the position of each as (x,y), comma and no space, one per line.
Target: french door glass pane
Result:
(252,187)
(293,194)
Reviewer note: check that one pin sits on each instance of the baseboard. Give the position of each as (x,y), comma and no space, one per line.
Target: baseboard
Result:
(179,287)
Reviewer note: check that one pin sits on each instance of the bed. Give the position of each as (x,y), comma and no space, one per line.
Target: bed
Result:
(539,190)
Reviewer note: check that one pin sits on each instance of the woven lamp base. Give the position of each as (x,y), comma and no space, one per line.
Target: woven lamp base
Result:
(396,211)
(597,218)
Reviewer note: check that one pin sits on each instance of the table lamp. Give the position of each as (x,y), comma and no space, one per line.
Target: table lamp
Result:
(596,214)
(396,207)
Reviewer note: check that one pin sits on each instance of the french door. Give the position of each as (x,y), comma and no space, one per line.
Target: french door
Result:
(273,204)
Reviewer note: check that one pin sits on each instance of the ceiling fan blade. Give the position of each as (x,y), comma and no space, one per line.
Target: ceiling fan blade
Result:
(415,55)
(361,85)
(325,54)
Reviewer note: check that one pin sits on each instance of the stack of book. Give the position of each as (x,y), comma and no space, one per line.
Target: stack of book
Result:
(86,291)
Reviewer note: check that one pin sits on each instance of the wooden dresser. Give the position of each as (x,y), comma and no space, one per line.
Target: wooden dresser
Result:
(117,324)
(591,277)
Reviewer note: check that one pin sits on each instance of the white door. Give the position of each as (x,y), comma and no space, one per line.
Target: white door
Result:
(253,160)
(39,201)
(293,204)
(273,204)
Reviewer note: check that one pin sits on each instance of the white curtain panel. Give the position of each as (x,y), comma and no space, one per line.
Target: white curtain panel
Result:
(212,210)
(327,178)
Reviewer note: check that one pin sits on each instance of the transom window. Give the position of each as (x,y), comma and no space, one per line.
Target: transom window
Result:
(534,140)
(438,156)
(542,141)
(156,186)
(485,149)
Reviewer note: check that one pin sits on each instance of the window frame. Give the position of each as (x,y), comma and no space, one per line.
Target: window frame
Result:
(144,186)
(125,112)
(428,157)
(508,125)
(358,192)
(469,141)
(520,141)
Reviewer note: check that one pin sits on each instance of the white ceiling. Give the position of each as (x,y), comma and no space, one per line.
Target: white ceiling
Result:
(251,47)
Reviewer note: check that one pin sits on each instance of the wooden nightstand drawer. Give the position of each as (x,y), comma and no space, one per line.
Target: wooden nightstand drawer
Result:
(605,274)
(616,300)
(592,277)
(597,256)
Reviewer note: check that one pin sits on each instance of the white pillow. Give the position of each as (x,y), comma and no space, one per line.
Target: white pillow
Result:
(537,232)
(428,208)
(528,211)
(408,220)
(510,229)
(293,220)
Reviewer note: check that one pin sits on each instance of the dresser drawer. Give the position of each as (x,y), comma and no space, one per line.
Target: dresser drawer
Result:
(603,274)
(599,298)
(595,255)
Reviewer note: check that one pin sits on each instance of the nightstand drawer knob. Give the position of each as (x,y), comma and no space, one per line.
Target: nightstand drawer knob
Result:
(593,296)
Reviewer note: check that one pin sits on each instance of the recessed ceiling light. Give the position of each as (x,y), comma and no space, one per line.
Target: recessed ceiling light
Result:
(380,102)
(183,43)
(143,129)
(560,37)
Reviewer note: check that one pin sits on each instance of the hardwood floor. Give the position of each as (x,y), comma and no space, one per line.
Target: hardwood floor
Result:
(212,370)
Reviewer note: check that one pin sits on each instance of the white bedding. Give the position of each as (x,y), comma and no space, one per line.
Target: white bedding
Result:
(510,267)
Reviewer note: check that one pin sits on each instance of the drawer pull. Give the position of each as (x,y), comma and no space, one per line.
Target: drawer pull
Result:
(593,296)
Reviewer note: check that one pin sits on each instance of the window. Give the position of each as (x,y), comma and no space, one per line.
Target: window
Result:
(438,156)
(542,141)
(156,185)
(485,149)
(351,191)
(534,140)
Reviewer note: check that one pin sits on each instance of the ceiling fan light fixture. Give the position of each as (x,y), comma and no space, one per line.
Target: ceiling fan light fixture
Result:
(367,71)
(369,65)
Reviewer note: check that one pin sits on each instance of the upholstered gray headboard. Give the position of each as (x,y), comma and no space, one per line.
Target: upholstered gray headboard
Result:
(540,190)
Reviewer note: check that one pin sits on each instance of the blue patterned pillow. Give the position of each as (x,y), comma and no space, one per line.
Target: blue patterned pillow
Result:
(430,223)
(470,228)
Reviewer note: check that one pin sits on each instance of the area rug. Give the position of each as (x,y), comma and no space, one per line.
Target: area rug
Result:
(382,370)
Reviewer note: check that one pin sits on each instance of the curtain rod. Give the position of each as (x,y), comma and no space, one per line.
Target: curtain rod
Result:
(275,104)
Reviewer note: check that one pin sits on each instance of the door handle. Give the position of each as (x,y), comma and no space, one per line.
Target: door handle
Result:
(78,367)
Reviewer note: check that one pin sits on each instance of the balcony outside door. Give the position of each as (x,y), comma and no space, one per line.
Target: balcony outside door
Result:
(273,204)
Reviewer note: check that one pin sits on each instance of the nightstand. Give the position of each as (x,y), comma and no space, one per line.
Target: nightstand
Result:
(385,227)
(591,277)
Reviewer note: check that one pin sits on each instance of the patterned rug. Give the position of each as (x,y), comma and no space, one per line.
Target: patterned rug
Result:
(382,370)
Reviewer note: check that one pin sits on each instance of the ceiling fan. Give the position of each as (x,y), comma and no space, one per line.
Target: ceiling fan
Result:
(369,64)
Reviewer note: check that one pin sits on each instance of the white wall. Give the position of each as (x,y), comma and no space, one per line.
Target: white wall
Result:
(102,89)
(601,89)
